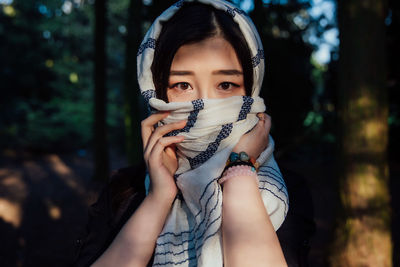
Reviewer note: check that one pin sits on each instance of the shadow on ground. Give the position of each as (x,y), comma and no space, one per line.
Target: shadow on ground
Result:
(43,206)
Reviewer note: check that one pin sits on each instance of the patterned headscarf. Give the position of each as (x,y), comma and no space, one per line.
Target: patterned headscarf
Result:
(191,235)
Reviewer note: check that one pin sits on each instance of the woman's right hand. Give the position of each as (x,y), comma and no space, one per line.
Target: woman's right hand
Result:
(160,155)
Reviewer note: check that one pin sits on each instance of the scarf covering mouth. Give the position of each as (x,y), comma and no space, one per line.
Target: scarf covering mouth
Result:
(191,235)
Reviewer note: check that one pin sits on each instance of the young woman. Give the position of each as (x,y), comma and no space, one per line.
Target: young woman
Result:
(216,194)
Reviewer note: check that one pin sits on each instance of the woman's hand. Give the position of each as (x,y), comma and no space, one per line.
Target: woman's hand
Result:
(255,141)
(160,155)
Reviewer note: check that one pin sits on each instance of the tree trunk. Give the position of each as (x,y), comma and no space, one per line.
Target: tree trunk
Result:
(132,105)
(363,236)
(101,168)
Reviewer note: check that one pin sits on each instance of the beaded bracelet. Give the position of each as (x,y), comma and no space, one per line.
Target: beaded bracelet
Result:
(239,170)
(241,159)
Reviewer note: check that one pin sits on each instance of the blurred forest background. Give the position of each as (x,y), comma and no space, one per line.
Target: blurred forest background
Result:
(70,114)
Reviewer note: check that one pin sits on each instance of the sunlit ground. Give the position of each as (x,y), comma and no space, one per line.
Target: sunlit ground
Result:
(43,206)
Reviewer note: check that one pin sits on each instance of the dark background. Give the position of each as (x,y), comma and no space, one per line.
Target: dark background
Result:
(65,75)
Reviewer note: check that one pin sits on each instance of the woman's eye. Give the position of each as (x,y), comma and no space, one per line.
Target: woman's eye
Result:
(227,85)
(181,86)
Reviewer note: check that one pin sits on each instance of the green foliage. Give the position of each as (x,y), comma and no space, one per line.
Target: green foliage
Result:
(65,123)
(47,73)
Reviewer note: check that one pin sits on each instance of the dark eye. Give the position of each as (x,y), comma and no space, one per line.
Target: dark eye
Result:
(182,86)
(227,85)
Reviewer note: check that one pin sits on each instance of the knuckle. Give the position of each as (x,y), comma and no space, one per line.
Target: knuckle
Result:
(143,123)
(158,131)
(162,141)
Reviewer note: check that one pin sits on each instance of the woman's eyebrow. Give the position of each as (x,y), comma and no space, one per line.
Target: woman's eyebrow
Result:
(181,72)
(227,72)
(216,72)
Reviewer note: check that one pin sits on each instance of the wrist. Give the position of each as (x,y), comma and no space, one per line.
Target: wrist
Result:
(163,198)
(238,170)
(241,158)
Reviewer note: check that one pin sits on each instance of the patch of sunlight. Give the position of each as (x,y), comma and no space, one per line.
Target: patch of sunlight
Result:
(363,102)
(73,77)
(53,210)
(373,129)
(9,11)
(370,135)
(65,173)
(367,244)
(49,63)
(13,192)
(58,165)
(10,212)
(13,186)
(364,185)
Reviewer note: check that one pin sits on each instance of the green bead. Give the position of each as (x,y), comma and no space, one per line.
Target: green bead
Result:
(243,156)
(233,157)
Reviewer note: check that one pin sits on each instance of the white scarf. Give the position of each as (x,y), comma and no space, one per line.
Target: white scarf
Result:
(191,235)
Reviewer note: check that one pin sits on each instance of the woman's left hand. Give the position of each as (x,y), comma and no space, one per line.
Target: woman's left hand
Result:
(255,141)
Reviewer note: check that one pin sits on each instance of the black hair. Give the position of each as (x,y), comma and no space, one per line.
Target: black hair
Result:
(195,22)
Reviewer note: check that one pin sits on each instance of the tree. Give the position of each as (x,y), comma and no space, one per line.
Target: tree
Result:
(363,236)
(288,100)
(100,94)
(132,109)
(46,69)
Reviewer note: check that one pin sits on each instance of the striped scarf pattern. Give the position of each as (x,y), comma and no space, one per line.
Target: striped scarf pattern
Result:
(192,232)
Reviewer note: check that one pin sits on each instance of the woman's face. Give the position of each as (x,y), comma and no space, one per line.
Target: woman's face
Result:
(207,69)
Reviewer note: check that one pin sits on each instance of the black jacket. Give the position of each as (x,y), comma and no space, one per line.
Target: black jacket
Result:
(125,191)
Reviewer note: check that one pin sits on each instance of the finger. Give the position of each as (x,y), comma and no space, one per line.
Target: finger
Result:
(147,125)
(163,130)
(170,150)
(159,147)
(169,154)
(261,116)
(263,126)
(267,122)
